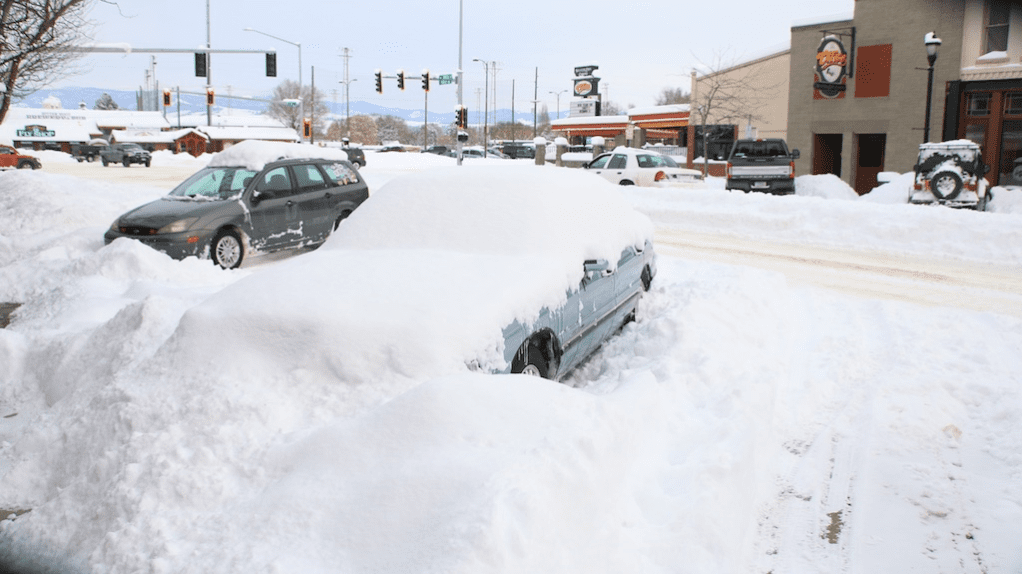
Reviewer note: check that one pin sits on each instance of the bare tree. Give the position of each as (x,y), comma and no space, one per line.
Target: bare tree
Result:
(290,115)
(35,41)
(670,96)
(724,93)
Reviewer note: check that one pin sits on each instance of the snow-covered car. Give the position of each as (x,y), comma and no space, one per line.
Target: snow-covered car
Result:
(253,197)
(478,152)
(498,268)
(951,173)
(629,166)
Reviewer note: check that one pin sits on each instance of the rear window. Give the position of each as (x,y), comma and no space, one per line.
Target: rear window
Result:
(760,149)
(340,173)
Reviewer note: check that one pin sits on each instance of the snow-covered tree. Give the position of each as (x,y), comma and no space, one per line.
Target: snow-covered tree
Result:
(289,115)
(105,102)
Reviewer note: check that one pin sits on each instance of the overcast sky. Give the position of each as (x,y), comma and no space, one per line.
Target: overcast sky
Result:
(640,47)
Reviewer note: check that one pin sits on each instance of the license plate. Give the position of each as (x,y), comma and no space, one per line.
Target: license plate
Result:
(760,184)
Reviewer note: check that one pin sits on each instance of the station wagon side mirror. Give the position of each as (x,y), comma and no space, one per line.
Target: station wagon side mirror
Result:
(595,265)
(795,154)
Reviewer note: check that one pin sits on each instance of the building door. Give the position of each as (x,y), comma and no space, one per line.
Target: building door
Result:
(828,154)
(991,118)
(870,161)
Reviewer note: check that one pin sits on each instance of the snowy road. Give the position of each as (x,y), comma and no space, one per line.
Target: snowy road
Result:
(963,284)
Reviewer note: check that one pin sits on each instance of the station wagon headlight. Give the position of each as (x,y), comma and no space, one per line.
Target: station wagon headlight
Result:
(178,226)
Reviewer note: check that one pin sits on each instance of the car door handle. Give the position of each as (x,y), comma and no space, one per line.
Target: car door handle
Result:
(288,203)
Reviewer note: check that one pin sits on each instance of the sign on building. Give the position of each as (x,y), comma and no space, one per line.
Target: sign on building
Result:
(582,108)
(830,69)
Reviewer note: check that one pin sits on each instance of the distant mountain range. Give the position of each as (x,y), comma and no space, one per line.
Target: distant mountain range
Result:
(71,98)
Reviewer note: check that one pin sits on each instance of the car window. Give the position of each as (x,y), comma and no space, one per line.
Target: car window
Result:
(646,161)
(308,178)
(214,183)
(340,173)
(618,161)
(600,162)
(6,150)
(275,183)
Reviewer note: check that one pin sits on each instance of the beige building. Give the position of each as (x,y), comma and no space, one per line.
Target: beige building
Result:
(738,101)
(858,88)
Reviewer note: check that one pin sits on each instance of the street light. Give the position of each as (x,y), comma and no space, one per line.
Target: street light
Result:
(487,65)
(558,103)
(931,46)
(297,45)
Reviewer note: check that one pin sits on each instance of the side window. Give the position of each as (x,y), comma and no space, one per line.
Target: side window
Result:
(340,173)
(275,183)
(308,178)
(600,162)
(618,161)
(646,161)
(241,180)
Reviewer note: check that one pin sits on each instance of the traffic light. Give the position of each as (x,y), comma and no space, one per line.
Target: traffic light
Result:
(426,80)
(401,79)
(271,64)
(200,64)
(209,97)
(167,98)
(380,87)
(462,117)
(307,127)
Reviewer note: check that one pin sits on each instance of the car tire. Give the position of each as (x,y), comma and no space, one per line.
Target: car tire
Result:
(645,278)
(127,162)
(105,162)
(530,361)
(148,161)
(626,182)
(90,158)
(946,184)
(226,250)
(25,164)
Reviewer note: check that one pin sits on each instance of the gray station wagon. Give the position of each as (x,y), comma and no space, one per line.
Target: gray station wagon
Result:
(227,212)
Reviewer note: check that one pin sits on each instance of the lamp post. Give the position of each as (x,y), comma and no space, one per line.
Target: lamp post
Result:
(299,46)
(558,103)
(931,45)
(487,66)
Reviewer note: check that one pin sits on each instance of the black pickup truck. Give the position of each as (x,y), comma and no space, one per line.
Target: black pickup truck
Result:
(126,154)
(762,165)
(86,152)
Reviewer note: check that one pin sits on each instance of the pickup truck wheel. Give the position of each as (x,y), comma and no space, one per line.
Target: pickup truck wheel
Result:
(227,249)
(530,361)
(90,158)
(946,184)
(105,162)
(127,162)
(148,161)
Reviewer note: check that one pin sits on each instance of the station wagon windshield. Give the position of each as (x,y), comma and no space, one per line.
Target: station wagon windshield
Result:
(214,183)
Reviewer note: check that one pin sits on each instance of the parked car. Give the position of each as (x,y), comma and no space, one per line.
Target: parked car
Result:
(437,150)
(9,157)
(518,150)
(951,173)
(235,207)
(89,152)
(356,156)
(478,152)
(391,148)
(500,268)
(762,165)
(630,166)
(125,154)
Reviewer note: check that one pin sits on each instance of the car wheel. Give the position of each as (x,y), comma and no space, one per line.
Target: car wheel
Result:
(148,162)
(90,158)
(227,249)
(626,182)
(105,162)
(127,162)
(530,361)
(24,164)
(946,184)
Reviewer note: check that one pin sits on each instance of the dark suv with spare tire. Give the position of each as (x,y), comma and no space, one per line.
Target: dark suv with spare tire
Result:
(227,212)
(951,173)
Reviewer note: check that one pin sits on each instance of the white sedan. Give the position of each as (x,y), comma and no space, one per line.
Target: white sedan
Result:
(630,166)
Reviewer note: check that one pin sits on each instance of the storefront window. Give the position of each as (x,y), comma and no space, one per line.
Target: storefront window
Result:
(1012,104)
(978,103)
(976,133)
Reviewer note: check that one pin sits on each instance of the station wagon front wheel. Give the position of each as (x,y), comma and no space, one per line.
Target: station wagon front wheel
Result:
(530,361)
(227,249)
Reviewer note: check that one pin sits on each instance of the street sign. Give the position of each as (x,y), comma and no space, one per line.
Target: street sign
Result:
(445,79)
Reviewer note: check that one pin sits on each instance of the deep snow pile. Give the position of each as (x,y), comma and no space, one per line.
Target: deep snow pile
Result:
(737,426)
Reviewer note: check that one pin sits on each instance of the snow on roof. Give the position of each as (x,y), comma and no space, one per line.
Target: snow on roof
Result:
(131,120)
(253,154)
(590,120)
(224,119)
(142,136)
(250,133)
(666,109)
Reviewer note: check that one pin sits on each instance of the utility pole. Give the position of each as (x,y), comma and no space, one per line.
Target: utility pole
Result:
(348,130)
(535,78)
(312,99)
(458,142)
(209,83)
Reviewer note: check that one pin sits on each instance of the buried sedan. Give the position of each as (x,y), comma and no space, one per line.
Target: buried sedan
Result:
(248,200)
(502,268)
